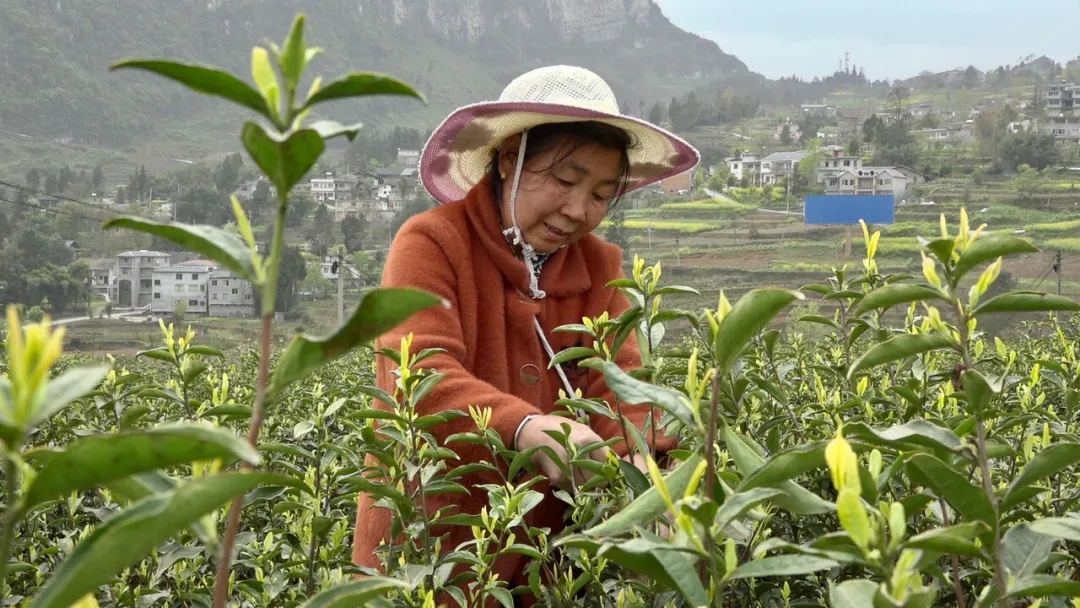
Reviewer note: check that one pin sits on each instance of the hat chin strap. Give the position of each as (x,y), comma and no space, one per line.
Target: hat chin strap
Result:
(529,254)
(527,251)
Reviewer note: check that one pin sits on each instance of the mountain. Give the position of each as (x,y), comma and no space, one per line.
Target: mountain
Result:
(54,56)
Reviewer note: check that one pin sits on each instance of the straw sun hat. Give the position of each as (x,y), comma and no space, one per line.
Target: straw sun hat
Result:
(459,152)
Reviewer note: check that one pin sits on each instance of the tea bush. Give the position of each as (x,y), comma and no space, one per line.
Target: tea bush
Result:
(918,465)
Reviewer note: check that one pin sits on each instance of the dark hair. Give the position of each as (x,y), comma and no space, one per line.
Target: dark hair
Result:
(571,136)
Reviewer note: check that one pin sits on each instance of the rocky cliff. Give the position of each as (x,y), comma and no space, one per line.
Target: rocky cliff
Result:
(54,55)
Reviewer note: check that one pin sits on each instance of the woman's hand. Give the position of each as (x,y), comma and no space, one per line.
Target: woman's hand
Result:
(534,435)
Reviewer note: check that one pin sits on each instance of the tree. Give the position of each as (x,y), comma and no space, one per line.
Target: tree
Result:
(616,230)
(352,230)
(930,120)
(1039,150)
(98,178)
(971,77)
(121,197)
(719,179)
(674,110)
(854,147)
(293,271)
(785,135)
(203,204)
(33,178)
(808,166)
(656,114)
(870,128)
(898,99)
(261,205)
(52,185)
(300,206)
(1027,181)
(227,174)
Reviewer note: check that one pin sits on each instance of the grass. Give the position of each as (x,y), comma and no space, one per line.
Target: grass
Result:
(710,205)
(1067,226)
(1065,244)
(668,226)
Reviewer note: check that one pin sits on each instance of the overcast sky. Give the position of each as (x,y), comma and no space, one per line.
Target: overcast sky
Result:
(889,39)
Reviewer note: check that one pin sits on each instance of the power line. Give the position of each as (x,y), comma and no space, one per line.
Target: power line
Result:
(56,211)
(69,199)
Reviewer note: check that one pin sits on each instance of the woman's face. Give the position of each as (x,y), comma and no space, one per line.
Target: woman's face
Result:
(559,206)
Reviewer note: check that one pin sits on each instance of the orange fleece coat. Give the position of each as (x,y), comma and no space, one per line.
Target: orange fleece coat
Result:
(493,358)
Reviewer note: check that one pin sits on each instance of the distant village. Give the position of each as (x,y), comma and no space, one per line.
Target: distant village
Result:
(162,283)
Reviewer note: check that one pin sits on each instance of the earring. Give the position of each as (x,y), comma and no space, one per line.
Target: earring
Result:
(502,175)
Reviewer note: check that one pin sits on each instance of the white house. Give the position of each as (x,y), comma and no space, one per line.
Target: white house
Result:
(323,188)
(230,295)
(780,165)
(747,166)
(133,276)
(176,284)
(867,180)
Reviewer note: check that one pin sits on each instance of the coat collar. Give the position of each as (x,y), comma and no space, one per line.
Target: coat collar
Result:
(565,272)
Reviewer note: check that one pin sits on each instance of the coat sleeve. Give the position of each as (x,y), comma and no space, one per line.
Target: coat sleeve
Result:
(628,358)
(417,260)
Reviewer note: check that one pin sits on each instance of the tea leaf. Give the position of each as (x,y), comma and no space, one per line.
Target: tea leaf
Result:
(782,565)
(650,504)
(1049,461)
(378,312)
(93,461)
(667,564)
(899,293)
(1026,301)
(988,248)
(1036,585)
(899,347)
(820,320)
(293,58)
(284,161)
(503,596)
(941,248)
(73,384)
(739,503)
(785,465)
(1065,528)
(977,389)
(570,354)
(954,540)
(796,499)
(215,244)
(361,85)
(950,484)
(922,433)
(852,594)
(131,534)
(329,129)
(1023,549)
(635,392)
(202,79)
(749,316)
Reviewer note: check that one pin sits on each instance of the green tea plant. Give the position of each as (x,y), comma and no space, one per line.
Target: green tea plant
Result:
(284,147)
(906,460)
(925,465)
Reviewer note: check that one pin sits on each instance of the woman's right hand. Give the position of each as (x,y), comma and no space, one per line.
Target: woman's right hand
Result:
(534,435)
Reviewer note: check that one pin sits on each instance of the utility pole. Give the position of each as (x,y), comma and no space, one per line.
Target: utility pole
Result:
(1057,269)
(648,231)
(787,197)
(678,257)
(340,264)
